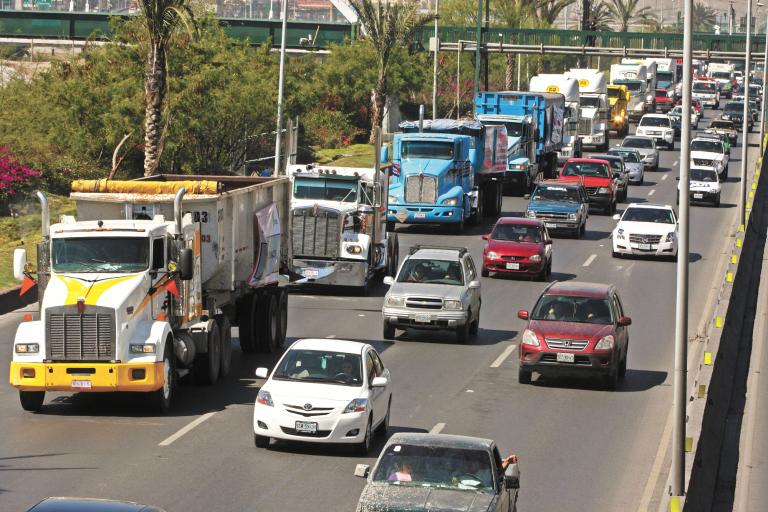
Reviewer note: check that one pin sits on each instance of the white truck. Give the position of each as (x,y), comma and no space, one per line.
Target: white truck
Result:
(666,75)
(568,87)
(144,285)
(595,109)
(635,78)
(724,74)
(338,225)
(651,68)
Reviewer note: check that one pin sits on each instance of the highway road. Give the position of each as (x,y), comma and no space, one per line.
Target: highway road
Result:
(581,447)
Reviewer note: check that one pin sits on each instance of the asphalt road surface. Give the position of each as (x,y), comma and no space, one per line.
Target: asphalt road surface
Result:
(580,447)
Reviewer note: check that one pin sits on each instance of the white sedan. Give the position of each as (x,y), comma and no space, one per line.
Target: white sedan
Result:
(646,229)
(324,391)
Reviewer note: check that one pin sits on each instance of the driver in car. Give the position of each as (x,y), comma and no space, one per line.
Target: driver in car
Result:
(350,371)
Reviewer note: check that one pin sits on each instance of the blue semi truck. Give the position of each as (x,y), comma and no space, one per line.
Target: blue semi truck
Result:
(446,172)
(534,123)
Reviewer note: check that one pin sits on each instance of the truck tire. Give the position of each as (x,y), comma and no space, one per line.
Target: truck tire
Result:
(32,401)
(246,322)
(267,324)
(225,330)
(391,227)
(208,366)
(458,227)
(393,255)
(282,307)
(161,400)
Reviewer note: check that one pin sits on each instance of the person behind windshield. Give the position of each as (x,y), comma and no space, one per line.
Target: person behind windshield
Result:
(453,273)
(350,370)
(595,312)
(557,311)
(418,274)
(404,474)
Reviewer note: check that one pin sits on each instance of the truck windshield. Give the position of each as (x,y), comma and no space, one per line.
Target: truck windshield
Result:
(590,101)
(435,466)
(325,189)
(555,193)
(664,78)
(614,93)
(514,129)
(596,169)
(426,150)
(113,255)
(721,74)
(431,272)
(632,85)
(566,308)
(704,87)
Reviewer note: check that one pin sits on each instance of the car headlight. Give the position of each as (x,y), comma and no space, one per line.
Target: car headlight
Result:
(535,257)
(392,199)
(605,343)
(395,301)
(453,305)
(670,237)
(572,216)
(354,249)
(356,405)
(604,190)
(28,348)
(620,234)
(530,214)
(142,349)
(452,201)
(492,255)
(530,338)
(265,398)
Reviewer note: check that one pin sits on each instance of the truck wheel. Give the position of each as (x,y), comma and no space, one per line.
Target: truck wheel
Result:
(523,376)
(207,366)
(388,331)
(393,256)
(390,227)
(282,308)
(260,441)
(161,399)
(31,400)
(225,330)
(458,227)
(267,324)
(246,322)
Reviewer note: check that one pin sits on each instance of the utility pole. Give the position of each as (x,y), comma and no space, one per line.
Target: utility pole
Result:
(280,86)
(486,57)
(681,300)
(765,75)
(478,42)
(731,14)
(745,133)
(434,69)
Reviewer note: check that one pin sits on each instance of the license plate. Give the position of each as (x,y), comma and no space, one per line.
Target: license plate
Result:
(307,427)
(698,196)
(422,318)
(565,358)
(513,266)
(420,215)
(644,247)
(550,225)
(311,272)
(81,384)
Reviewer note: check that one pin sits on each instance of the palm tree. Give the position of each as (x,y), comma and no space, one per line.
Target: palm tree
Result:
(513,14)
(161,20)
(703,17)
(600,18)
(387,27)
(549,10)
(628,12)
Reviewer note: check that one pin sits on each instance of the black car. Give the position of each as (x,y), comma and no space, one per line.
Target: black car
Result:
(734,111)
(425,472)
(90,505)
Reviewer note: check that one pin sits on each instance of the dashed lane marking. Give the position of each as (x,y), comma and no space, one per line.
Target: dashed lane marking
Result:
(186,429)
(675,162)
(507,352)
(589,260)
(437,428)
(663,177)
(653,191)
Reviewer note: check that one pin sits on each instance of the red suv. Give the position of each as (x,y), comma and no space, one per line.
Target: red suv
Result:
(663,101)
(518,246)
(598,180)
(575,329)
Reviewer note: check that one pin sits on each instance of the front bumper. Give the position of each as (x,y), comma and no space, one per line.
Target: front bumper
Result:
(87,377)
(434,214)
(665,138)
(624,246)
(709,102)
(524,267)
(428,319)
(649,164)
(593,140)
(332,273)
(560,224)
(601,199)
(545,362)
(707,196)
(635,176)
(336,427)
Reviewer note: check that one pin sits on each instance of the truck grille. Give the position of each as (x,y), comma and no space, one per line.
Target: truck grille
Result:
(703,161)
(585,127)
(645,239)
(566,344)
(591,190)
(551,215)
(316,232)
(421,189)
(74,337)
(423,303)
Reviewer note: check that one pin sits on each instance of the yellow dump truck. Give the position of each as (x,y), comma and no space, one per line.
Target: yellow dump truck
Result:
(618,97)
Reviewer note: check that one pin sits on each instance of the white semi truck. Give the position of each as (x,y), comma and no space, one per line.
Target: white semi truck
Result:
(338,226)
(568,87)
(595,109)
(635,78)
(144,285)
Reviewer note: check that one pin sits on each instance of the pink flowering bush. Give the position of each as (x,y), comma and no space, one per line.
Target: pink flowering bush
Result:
(15,179)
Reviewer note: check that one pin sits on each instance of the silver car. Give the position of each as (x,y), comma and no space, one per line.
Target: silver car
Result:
(437,288)
(633,161)
(646,146)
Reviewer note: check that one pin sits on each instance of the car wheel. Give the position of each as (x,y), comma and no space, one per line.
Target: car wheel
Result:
(671,146)
(542,276)
(615,254)
(523,376)
(31,400)
(384,425)
(462,332)
(260,441)
(474,327)
(642,179)
(365,445)
(389,331)
(484,272)
(623,365)
(583,230)
(611,380)
(717,201)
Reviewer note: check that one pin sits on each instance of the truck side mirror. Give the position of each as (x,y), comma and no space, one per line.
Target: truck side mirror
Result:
(384,154)
(19,263)
(186,264)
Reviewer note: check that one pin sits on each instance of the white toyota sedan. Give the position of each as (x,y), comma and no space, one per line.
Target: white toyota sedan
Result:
(646,229)
(324,391)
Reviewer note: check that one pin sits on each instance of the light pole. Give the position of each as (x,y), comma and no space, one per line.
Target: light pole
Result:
(681,302)
(765,74)
(745,133)
(434,69)
(280,86)
(478,38)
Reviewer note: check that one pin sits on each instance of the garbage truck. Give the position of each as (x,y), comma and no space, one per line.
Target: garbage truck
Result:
(142,287)
(593,96)
(568,87)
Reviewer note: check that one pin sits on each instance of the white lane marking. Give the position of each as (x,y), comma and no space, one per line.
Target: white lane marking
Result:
(331,336)
(675,162)
(656,469)
(663,177)
(507,352)
(186,429)
(589,260)
(653,191)
(437,428)
(470,391)
(360,314)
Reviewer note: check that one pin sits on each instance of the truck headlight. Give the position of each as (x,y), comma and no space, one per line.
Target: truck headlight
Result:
(453,305)
(530,338)
(604,190)
(605,343)
(395,301)
(535,257)
(670,237)
(145,348)
(492,255)
(27,348)
(530,214)
(354,249)
(265,398)
(518,167)
(392,199)
(618,119)
(452,201)
(572,216)
(356,405)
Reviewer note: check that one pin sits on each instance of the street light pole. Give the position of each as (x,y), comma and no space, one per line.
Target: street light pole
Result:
(434,69)
(744,132)
(478,42)
(681,302)
(765,74)
(280,86)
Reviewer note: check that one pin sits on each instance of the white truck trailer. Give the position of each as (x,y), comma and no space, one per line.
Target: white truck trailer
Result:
(635,78)
(568,87)
(144,285)
(338,226)
(595,109)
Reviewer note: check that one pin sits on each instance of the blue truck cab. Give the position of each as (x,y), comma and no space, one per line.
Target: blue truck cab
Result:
(447,173)
(563,206)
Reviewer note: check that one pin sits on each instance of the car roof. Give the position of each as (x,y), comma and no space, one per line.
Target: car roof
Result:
(90,505)
(441,440)
(644,137)
(649,206)
(617,149)
(708,139)
(702,168)
(520,221)
(578,289)
(607,157)
(436,254)
(334,345)
(586,161)
(655,115)
(558,183)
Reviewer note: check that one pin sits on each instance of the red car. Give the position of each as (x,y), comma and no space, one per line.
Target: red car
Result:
(597,178)
(695,104)
(518,246)
(575,329)
(664,102)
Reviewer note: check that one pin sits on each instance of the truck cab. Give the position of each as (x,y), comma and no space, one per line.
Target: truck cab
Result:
(593,99)
(634,78)
(618,99)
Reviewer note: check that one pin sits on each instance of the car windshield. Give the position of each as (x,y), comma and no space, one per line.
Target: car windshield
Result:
(721,74)
(596,169)
(733,107)
(568,308)
(91,255)
(655,215)
(322,366)
(703,175)
(655,121)
(614,161)
(709,146)
(632,85)
(435,466)
(628,156)
(555,193)
(704,87)
(636,142)
(431,272)
(325,189)
(721,125)
(516,233)
(589,101)
(427,150)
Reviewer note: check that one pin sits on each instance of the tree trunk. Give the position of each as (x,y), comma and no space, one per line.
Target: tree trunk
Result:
(154,94)
(510,72)
(379,101)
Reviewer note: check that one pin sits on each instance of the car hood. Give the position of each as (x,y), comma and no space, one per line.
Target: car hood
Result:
(443,291)
(647,228)
(515,248)
(553,206)
(645,151)
(633,166)
(707,155)
(394,498)
(319,395)
(575,330)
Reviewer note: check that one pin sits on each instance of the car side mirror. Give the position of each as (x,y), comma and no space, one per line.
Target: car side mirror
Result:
(262,373)
(388,280)
(522,314)
(362,470)
(548,241)
(625,321)
(617,217)
(526,196)
(485,237)
(186,267)
(617,175)
(512,476)
(379,382)
(19,263)
(474,285)
(677,178)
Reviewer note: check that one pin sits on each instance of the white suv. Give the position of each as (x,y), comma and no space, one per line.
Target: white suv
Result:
(659,128)
(703,185)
